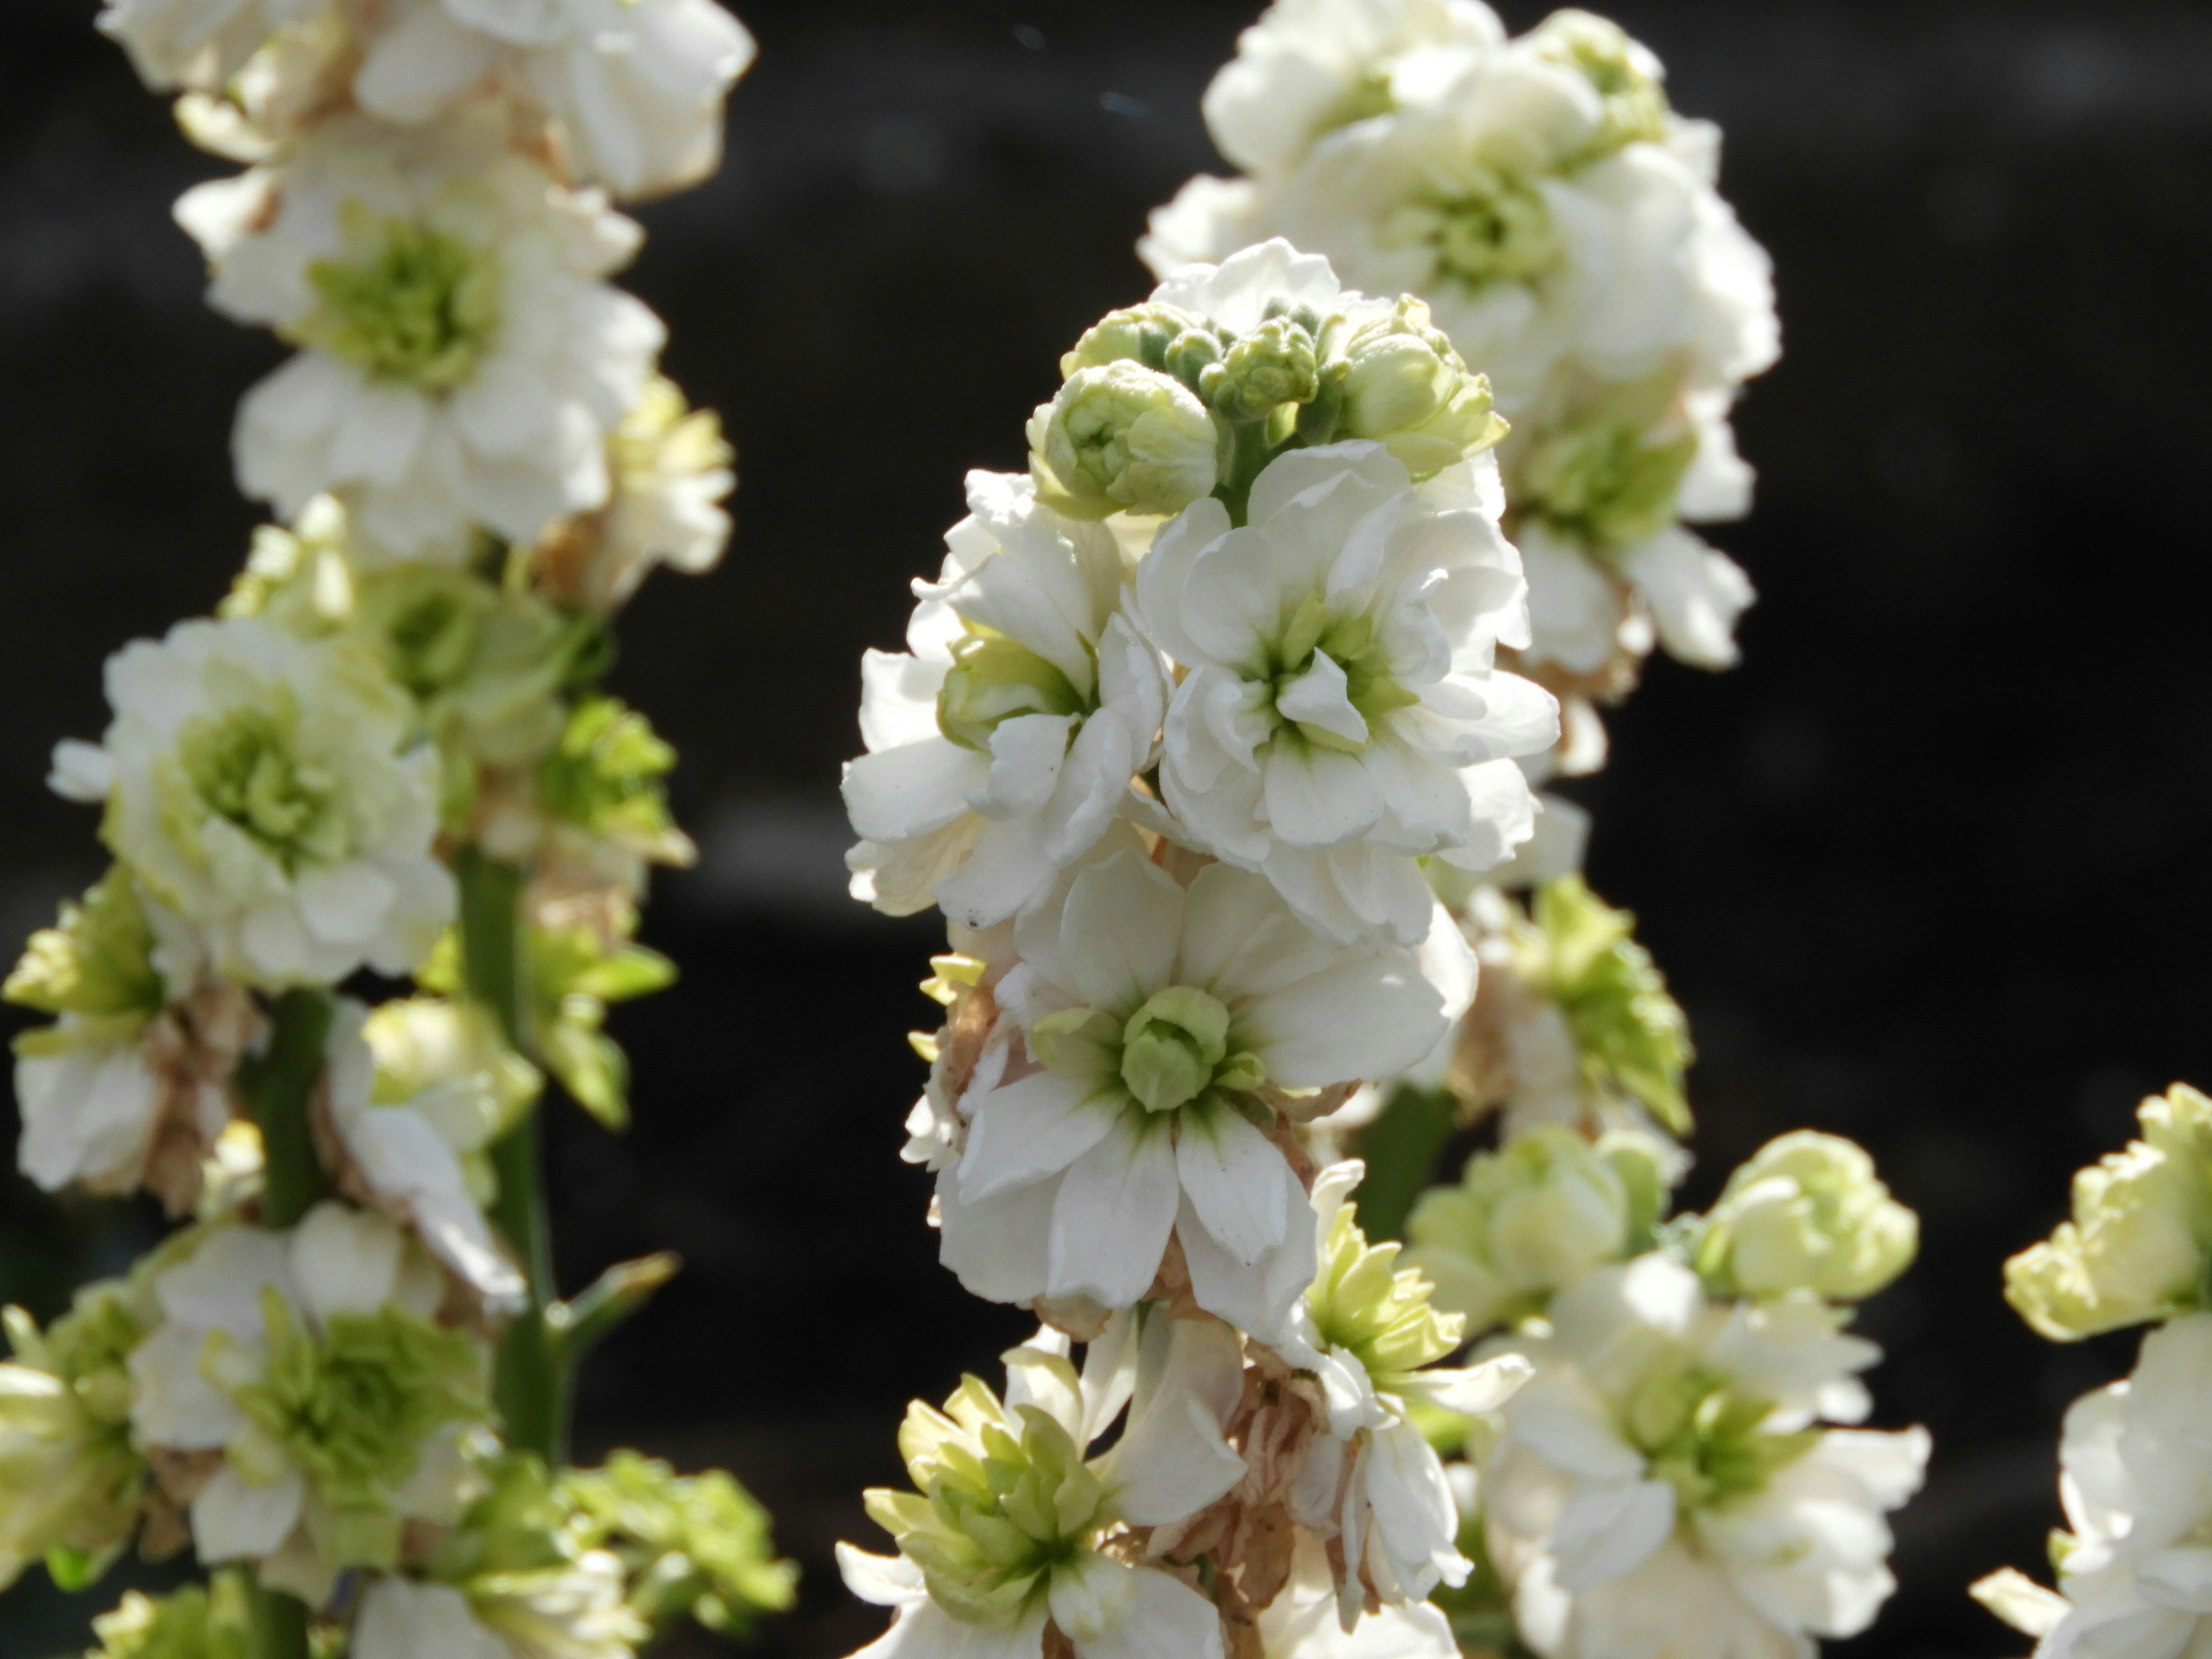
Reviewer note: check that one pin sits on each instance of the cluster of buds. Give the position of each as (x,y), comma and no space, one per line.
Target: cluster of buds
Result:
(342,1382)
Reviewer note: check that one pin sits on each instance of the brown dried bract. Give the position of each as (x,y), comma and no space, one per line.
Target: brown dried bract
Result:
(191,1048)
(181,1476)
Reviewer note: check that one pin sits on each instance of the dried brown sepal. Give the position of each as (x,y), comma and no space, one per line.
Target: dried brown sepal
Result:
(192,1049)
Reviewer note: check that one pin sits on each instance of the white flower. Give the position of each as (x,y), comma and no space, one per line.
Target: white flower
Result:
(2137,1481)
(1372,1480)
(980,1583)
(261,793)
(464,363)
(309,1358)
(196,43)
(1664,1487)
(1002,742)
(1310,65)
(1162,1025)
(633,88)
(575,1612)
(1340,718)
(407,1153)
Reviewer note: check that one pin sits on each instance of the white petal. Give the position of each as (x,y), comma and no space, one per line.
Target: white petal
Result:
(232,1521)
(400,1618)
(1171,1621)
(1116,1208)
(1366,1017)
(1235,1178)
(81,771)
(910,791)
(1696,594)
(1119,931)
(345,1261)
(885,1581)
(1028,1129)
(1607,1530)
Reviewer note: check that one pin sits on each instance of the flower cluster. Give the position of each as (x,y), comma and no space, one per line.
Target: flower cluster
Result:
(2133,1470)
(1186,715)
(1670,1480)
(343,1383)
(1561,224)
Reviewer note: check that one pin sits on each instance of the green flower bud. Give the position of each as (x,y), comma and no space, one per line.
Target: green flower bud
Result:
(1395,379)
(1004,1510)
(994,679)
(1533,1217)
(2139,1247)
(1171,1045)
(1138,334)
(696,1544)
(71,1483)
(1707,1439)
(1608,483)
(1630,1036)
(1625,74)
(485,666)
(411,305)
(1806,1212)
(1362,1303)
(606,775)
(213,1622)
(1276,364)
(96,961)
(1124,438)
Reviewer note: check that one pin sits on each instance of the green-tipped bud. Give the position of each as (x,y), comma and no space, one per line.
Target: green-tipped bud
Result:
(1608,483)
(1363,1302)
(993,679)
(216,1622)
(1123,438)
(1276,364)
(1626,74)
(71,1484)
(695,1545)
(2139,1247)
(1533,1217)
(1171,1047)
(1806,1212)
(1139,334)
(1395,379)
(1005,1510)
(97,962)
(1629,1037)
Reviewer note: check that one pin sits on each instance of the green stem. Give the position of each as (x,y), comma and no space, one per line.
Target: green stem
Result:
(280,1622)
(279,1086)
(531,1379)
(1400,1148)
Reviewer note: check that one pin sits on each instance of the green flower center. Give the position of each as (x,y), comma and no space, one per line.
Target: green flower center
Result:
(994,679)
(1489,225)
(1175,1050)
(421,309)
(1360,1302)
(1350,643)
(245,765)
(1603,484)
(354,1410)
(1004,1500)
(1704,1439)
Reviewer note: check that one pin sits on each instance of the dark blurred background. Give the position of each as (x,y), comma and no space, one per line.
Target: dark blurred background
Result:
(1931,870)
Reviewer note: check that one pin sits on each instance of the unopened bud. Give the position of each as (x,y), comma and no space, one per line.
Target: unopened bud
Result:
(1806,1212)
(1122,437)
